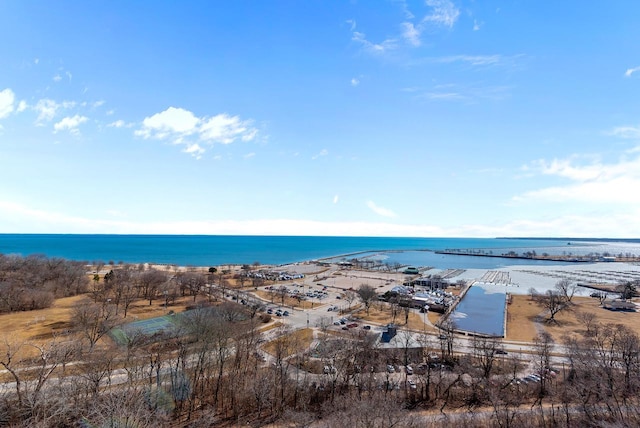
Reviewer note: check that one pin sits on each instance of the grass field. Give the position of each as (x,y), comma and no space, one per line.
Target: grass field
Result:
(296,341)
(54,323)
(525,319)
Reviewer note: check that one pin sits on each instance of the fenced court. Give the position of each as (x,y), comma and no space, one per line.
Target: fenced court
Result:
(147,327)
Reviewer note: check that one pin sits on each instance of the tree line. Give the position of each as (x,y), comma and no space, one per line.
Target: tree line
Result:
(34,282)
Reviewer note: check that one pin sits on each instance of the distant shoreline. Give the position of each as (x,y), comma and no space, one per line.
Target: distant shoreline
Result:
(569,239)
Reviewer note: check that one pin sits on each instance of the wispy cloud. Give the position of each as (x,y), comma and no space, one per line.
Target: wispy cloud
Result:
(454,92)
(628,132)
(48,108)
(630,71)
(444,12)
(181,126)
(411,34)
(322,153)
(374,48)
(355,81)
(27,219)
(478,60)
(120,124)
(593,182)
(384,212)
(440,13)
(335,199)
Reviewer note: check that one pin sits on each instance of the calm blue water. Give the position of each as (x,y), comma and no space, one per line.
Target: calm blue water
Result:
(481,312)
(219,250)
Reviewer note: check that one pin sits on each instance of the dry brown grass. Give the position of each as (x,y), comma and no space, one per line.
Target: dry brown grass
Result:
(568,322)
(296,341)
(42,326)
(522,314)
(380,313)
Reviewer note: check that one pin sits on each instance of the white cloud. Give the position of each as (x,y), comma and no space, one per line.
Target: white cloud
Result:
(171,121)
(411,34)
(7,98)
(183,127)
(335,199)
(194,150)
(19,218)
(355,81)
(22,106)
(630,132)
(476,25)
(384,212)
(249,155)
(352,24)
(120,124)
(323,152)
(478,60)
(70,123)
(226,129)
(453,92)
(46,109)
(444,12)
(595,183)
(374,48)
(630,71)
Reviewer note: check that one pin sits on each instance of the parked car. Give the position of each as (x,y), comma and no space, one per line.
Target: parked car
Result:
(408,370)
(367,327)
(501,352)
(390,368)
(285,313)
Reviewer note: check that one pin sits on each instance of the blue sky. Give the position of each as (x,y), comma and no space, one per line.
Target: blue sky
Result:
(375,118)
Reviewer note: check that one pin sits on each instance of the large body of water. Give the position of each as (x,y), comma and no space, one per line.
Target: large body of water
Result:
(219,250)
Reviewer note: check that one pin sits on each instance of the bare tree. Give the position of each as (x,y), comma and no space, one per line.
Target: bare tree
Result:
(484,351)
(93,320)
(567,289)
(588,319)
(350,296)
(367,295)
(543,348)
(553,302)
